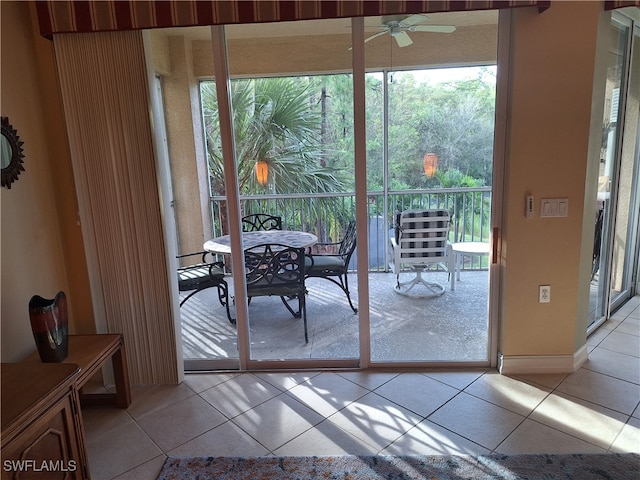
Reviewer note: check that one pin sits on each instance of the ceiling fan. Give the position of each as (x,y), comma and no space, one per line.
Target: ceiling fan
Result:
(398,26)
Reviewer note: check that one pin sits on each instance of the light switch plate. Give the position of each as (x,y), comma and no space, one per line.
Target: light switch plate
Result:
(554,207)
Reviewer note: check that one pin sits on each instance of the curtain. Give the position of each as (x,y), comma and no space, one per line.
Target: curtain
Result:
(103,82)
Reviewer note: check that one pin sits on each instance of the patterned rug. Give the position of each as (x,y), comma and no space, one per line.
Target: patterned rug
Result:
(418,467)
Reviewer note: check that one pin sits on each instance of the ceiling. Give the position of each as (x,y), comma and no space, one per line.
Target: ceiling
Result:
(339,26)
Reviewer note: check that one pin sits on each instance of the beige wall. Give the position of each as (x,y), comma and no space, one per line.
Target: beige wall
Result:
(42,251)
(190,184)
(552,71)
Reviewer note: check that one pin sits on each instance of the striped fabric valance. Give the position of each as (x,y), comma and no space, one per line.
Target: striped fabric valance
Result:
(66,16)
(613,4)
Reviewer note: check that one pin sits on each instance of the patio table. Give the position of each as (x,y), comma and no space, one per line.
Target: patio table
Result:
(291,238)
(460,249)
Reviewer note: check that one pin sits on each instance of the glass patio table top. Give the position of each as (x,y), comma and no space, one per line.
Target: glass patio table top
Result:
(290,238)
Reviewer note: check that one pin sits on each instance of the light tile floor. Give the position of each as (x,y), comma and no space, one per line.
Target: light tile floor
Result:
(595,409)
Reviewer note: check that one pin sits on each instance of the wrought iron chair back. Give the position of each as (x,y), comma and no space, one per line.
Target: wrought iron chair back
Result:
(331,261)
(274,269)
(261,221)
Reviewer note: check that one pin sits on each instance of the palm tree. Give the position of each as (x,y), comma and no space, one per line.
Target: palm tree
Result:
(274,121)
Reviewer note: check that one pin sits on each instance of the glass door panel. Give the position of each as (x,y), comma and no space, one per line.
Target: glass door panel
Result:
(208,337)
(615,242)
(430,146)
(292,102)
(625,236)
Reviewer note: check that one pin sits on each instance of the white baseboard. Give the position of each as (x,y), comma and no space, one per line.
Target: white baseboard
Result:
(511,365)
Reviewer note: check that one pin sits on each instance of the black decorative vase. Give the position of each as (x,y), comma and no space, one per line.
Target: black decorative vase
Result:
(49,325)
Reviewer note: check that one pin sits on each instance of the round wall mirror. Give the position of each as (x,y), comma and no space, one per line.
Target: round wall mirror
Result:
(11,154)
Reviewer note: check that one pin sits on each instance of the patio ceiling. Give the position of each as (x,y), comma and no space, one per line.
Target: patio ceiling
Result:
(337,26)
(323,46)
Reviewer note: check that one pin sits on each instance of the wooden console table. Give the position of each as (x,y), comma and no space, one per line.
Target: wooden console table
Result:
(41,420)
(42,432)
(90,353)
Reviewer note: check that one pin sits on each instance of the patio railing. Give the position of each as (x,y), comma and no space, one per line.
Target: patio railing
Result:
(326,215)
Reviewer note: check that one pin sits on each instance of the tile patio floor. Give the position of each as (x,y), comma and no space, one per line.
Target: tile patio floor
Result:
(452,327)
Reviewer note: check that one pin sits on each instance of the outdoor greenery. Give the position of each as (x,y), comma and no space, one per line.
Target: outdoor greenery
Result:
(276,120)
(454,120)
(302,127)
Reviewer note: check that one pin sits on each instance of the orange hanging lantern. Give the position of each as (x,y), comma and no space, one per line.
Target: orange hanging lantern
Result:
(430,164)
(262,172)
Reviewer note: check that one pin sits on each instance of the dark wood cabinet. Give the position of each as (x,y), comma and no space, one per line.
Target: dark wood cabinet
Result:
(42,432)
(42,427)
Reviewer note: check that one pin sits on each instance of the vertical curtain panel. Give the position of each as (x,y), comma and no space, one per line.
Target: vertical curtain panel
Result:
(103,83)
(65,16)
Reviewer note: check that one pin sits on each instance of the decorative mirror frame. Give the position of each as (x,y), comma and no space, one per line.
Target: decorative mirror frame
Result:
(11,169)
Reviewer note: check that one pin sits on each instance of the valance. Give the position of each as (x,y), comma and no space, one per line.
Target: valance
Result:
(66,16)
(613,4)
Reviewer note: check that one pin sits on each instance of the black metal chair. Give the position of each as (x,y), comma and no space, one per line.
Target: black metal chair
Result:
(597,243)
(201,275)
(273,269)
(331,261)
(261,221)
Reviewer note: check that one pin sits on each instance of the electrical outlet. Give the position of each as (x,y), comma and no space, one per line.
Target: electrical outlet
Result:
(544,294)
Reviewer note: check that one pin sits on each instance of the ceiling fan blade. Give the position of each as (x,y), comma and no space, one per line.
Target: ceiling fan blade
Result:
(374,36)
(414,20)
(402,39)
(433,28)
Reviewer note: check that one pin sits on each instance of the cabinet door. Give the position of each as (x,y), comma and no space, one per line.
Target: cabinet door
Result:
(47,449)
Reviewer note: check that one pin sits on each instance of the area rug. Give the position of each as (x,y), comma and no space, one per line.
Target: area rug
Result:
(415,467)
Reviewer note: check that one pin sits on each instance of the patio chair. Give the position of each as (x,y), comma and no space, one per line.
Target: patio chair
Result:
(261,221)
(202,275)
(597,243)
(273,269)
(331,261)
(420,241)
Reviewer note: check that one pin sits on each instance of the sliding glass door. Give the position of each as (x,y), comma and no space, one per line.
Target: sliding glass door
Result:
(261,119)
(624,250)
(615,255)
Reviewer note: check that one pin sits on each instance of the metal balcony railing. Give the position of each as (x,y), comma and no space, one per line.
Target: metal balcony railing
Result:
(327,214)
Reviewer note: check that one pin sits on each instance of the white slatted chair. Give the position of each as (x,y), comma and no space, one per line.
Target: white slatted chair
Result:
(421,240)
